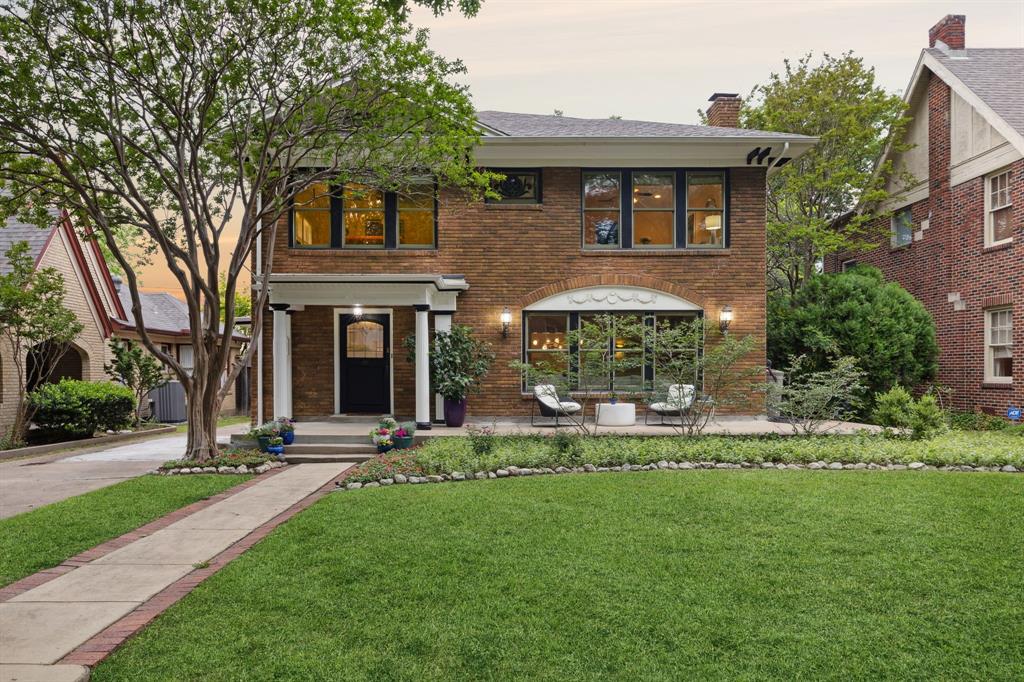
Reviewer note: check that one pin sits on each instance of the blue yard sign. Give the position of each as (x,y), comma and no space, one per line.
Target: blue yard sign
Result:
(1013,413)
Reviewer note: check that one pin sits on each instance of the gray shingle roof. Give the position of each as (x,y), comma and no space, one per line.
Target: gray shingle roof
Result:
(160,311)
(17,231)
(543,125)
(996,75)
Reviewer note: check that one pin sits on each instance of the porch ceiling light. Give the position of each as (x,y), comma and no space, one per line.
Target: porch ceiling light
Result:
(725,319)
(506,321)
(357,310)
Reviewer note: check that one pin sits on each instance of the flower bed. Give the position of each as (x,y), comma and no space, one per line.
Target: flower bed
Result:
(457,458)
(229,462)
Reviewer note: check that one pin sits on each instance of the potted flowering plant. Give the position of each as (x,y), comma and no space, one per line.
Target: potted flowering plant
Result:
(402,437)
(287,428)
(264,433)
(276,446)
(383,434)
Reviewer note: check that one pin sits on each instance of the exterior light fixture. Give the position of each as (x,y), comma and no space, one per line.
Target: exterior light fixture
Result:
(506,321)
(357,310)
(725,319)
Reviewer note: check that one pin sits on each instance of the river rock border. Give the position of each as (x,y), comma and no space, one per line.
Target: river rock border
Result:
(241,469)
(508,472)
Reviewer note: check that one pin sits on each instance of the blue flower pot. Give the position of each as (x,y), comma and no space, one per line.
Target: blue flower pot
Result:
(275,449)
(288,437)
(381,449)
(264,442)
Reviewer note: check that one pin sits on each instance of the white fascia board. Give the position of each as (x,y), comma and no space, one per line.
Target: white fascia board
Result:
(528,152)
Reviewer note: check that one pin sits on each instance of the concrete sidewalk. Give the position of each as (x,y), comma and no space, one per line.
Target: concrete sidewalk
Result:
(41,626)
(26,484)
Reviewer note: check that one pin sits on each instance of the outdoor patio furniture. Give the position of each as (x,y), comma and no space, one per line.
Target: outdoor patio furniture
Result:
(676,404)
(616,414)
(550,405)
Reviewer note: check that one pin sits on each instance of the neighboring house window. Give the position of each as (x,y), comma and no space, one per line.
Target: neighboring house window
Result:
(999,345)
(185,357)
(849,264)
(654,215)
(360,217)
(547,347)
(705,210)
(902,229)
(998,209)
(602,213)
(518,187)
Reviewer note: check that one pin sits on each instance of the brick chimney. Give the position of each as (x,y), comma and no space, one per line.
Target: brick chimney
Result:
(724,111)
(950,32)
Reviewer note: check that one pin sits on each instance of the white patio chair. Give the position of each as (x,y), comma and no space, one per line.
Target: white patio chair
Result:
(676,403)
(550,405)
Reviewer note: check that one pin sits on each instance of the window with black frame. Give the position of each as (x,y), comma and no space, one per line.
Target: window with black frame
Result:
(517,187)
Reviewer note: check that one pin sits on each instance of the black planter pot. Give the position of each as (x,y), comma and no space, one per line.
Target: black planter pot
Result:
(454,412)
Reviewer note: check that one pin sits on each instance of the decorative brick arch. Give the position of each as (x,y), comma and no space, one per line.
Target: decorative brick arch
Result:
(613,280)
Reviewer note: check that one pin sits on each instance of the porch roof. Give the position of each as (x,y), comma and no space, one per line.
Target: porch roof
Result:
(435,290)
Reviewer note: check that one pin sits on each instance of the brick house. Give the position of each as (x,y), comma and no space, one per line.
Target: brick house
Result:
(956,235)
(597,215)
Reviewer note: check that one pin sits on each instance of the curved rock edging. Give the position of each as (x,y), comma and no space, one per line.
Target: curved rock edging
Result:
(399,479)
(240,469)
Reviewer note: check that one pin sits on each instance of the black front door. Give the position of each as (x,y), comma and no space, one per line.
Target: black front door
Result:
(365,364)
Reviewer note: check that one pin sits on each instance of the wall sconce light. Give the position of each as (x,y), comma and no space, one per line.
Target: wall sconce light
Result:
(725,319)
(506,322)
(357,310)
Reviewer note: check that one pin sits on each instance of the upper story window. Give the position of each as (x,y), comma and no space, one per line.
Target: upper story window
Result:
(356,216)
(999,345)
(849,264)
(998,209)
(518,187)
(654,209)
(902,228)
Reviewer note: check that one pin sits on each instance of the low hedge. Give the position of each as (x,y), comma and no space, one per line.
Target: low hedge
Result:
(81,408)
(444,455)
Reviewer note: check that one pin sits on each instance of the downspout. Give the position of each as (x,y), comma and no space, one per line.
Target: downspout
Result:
(775,163)
(259,339)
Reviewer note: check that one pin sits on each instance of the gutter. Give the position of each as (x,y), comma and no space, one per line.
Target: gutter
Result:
(254,332)
(772,169)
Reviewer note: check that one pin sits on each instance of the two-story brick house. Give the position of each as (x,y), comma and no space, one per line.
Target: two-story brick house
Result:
(956,235)
(597,215)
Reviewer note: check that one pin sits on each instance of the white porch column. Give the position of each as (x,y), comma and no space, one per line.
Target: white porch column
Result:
(422,367)
(442,323)
(282,362)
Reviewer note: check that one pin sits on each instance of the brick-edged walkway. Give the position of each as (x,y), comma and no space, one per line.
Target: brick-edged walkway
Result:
(78,613)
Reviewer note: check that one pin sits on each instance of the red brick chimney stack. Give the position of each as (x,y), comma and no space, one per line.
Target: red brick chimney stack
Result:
(724,111)
(951,31)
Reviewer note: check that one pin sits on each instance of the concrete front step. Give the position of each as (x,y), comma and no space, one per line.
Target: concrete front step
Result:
(355,457)
(298,448)
(241,440)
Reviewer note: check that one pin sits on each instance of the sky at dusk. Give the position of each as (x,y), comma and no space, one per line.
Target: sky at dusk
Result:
(659,60)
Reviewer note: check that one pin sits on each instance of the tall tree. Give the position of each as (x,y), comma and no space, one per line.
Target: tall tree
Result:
(826,200)
(33,322)
(174,117)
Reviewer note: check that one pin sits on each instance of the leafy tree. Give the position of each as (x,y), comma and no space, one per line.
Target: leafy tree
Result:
(855,119)
(815,399)
(33,320)
(458,361)
(136,369)
(243,300)
(176,118)
(856,313)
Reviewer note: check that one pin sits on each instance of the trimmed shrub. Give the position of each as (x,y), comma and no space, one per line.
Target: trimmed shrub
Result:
(80,408)
(919,419)
(856,314)
(976,421)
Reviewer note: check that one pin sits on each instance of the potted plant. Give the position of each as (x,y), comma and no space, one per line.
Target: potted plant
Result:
(286,427)
(403,436)
(458,361)
(264,433)
(276,446)
(613,398)
(382,435)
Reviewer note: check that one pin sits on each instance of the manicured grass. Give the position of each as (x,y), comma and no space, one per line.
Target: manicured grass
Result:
(44,537)
(223,421)
(651,575)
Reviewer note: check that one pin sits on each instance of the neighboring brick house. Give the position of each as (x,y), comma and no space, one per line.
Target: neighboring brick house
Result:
(99,303)
(956,236)
(598,215)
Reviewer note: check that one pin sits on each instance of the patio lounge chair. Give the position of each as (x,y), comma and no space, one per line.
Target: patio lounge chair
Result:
(676,403)
(546,399)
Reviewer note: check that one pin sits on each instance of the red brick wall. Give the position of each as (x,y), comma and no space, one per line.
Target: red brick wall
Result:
(507,254)
(951,258)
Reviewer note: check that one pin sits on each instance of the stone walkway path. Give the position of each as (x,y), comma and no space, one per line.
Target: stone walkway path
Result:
(51,630)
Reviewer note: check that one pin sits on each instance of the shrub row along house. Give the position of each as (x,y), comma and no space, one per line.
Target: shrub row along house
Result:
(100,303)
(956,235)
(659,220)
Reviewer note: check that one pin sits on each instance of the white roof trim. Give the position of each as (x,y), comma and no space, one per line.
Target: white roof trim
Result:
(611,298)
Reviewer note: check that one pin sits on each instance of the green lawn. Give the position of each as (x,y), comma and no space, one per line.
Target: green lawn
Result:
(221,422)
(44,537)
(654,575)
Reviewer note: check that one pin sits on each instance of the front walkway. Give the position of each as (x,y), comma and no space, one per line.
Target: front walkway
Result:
(82,615)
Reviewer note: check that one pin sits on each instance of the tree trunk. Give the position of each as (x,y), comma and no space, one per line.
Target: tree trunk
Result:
(203,408)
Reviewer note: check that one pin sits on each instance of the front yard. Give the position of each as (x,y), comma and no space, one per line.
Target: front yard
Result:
(657,575)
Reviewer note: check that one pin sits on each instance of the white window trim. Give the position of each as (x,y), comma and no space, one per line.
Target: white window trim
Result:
(989,225)
(989,378)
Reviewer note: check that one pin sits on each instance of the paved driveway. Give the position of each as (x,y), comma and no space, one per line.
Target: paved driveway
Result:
(29,483)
